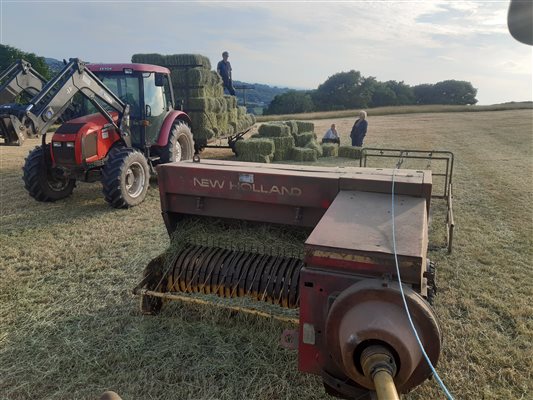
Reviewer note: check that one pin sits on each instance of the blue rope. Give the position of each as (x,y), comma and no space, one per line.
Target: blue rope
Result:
(437,377)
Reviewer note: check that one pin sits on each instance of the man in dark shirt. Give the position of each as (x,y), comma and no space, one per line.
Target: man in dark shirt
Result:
(224,70)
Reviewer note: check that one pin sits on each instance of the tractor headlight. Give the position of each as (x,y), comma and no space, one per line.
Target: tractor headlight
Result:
(56,144)
(70,145)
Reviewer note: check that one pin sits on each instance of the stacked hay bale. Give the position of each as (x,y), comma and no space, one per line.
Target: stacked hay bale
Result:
(350,152)
(292,140)
(200,90)
(330,150)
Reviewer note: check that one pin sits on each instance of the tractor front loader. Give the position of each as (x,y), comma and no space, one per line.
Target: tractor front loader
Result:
(128,126)
(17,79)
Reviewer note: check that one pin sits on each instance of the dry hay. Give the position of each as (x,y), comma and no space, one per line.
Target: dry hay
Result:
(350,152)
(173,60)
(330,150)
(241,235)
(183,92)
(304,126)
(255,150)
(293,126)
(314,145)
(282,147)
(303,154)
(200,90)
(302,139)
(274,130)
(209,104)
(194,77)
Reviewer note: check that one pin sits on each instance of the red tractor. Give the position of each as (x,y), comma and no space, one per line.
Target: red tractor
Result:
(129,125)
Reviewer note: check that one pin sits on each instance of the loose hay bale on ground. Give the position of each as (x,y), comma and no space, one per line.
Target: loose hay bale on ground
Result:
(303,154)
(282,147)
(293,126)
(330,150)
(302,139)
(255,150)
(313,144)
(350,152)
(274,130)
(304,126)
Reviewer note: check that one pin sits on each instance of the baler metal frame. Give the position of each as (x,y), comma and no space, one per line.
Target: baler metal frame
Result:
(445,192)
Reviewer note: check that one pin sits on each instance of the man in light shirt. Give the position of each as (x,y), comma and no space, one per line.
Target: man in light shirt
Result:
(331,136)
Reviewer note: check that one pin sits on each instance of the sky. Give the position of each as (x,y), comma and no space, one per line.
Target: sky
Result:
(297,44)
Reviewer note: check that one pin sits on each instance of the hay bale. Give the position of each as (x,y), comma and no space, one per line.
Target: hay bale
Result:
(274,130)
(313,144)
(231,101)
(282,147)
(330,150)
(241,111)
(210,104)
(183,92)
(293,126)
(350,152)
(304,126)
(255,150)
(173,60)
(191,77)
(303,138)
(303,154)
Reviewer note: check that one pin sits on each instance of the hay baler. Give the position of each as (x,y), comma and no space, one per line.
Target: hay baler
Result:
(350,284)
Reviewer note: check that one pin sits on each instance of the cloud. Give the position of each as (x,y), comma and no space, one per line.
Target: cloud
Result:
(289,43)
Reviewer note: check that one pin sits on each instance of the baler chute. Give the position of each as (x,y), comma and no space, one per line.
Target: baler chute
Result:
(353,329)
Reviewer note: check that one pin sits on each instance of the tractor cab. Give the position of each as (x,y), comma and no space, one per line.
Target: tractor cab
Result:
(146,89)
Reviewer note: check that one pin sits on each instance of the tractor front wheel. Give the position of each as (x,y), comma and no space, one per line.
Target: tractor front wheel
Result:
(40,180)
(125,178)
(180,144)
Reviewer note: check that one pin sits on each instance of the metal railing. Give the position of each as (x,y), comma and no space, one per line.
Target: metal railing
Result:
(440,163)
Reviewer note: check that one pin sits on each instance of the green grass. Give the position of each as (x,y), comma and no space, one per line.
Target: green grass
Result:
(70,329)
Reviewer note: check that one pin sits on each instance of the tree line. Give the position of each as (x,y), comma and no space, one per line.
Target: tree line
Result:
(350,90)
(8,55)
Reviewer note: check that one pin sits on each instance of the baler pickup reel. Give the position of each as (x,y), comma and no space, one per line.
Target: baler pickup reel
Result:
(353,328)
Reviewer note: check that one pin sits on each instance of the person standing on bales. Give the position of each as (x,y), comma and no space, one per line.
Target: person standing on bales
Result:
(359,130)
(331,136)
(224,70)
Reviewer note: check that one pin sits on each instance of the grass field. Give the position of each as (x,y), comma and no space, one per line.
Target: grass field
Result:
(70,329)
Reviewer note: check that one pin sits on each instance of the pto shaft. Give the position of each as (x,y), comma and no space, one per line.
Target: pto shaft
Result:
(379,365)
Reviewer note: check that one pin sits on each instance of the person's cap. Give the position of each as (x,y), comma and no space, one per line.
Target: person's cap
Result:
(225,54)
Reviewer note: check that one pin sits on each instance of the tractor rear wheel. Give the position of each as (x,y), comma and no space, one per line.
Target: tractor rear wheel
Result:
(125,177)
(40,180)
(180,144)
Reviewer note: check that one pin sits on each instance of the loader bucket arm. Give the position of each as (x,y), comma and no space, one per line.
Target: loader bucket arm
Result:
(17,78)
(56,96)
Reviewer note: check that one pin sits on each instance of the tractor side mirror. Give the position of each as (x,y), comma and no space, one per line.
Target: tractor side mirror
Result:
(159,79)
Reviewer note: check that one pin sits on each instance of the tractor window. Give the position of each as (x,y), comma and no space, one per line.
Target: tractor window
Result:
(126,87)
(154,96)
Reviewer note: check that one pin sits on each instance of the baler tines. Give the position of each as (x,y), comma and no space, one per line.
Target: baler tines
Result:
(353,328)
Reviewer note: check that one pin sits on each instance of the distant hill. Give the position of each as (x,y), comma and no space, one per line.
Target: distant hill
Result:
(54,65)
(258,96)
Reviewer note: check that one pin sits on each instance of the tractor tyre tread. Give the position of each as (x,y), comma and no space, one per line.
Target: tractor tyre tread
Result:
(36,179)
(181,133)
(119,158)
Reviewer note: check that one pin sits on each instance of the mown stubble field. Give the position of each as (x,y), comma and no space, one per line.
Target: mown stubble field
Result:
(70,328)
